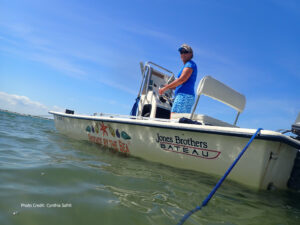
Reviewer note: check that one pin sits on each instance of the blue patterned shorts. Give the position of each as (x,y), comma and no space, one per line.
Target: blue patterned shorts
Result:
(183,103)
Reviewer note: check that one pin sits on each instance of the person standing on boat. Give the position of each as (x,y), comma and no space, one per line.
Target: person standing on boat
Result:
(184,84)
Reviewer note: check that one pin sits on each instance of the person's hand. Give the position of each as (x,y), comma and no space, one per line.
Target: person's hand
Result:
(161,90)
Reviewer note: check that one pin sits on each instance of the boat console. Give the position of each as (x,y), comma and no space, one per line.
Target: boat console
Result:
(152,105)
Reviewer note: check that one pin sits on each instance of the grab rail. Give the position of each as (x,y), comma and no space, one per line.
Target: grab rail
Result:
(147,73)
(205,202)
(154,64)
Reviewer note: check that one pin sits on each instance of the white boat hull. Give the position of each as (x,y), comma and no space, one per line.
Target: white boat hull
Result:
(268,160)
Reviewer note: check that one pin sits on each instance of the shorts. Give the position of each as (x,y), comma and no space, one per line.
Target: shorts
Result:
(183,103)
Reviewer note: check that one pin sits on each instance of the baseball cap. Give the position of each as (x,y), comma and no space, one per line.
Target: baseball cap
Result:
(186,47)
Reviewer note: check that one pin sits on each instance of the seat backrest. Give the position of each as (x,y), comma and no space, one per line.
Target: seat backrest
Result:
(213,88)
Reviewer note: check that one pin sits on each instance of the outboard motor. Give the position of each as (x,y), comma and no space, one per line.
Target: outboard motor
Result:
(294,181)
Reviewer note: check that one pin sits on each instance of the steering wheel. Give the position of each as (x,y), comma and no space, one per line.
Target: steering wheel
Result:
(165,98)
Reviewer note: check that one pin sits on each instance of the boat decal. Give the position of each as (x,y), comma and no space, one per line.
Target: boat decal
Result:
(186,146)
(118,133)
(117,145)
(111,130)
(125,135)
(103,129)
(191,151)
(97,128)
(88,129)
(109,137)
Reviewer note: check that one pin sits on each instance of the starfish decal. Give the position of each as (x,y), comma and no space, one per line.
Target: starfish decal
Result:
(103,129)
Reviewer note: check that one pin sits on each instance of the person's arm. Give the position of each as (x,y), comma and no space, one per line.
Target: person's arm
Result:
(185,75)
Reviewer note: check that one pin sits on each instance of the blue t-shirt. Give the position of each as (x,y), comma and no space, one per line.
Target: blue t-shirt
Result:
(188,86)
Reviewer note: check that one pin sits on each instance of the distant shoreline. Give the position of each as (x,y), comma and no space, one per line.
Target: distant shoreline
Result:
(30,115)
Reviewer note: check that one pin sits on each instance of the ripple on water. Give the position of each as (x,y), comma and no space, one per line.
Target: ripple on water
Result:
(40,166)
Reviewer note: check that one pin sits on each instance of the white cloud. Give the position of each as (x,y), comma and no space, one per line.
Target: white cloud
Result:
(60,64)
(117,86)
(23,104)
(149,32)
(264,105)
(270,113)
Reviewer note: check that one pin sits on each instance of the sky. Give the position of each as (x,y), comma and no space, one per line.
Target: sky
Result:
(84,55)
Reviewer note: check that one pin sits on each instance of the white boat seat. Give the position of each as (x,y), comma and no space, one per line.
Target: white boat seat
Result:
(217,90)
(204,119)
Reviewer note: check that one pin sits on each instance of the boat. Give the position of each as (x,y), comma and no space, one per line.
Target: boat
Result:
(193,141)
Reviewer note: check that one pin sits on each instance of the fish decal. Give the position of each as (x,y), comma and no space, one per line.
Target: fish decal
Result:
(88,129)
(118,133)
(97,128)
(93,129)
(111,130)
(125,135)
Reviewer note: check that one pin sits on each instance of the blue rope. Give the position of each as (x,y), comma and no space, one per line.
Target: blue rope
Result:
(205,202)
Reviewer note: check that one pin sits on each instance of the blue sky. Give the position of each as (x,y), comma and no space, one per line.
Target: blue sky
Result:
(84,55)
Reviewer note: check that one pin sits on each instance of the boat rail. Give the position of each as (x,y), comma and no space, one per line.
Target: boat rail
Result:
(154,64)
(110,115)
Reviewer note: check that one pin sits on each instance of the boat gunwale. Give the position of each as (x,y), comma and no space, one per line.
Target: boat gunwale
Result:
(218,130)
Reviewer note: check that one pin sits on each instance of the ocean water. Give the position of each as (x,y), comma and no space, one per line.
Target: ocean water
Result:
(47,178)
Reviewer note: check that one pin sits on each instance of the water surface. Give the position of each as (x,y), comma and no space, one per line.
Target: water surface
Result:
(47,178)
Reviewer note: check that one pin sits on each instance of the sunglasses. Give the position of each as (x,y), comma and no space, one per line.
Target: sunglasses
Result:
(183,51)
